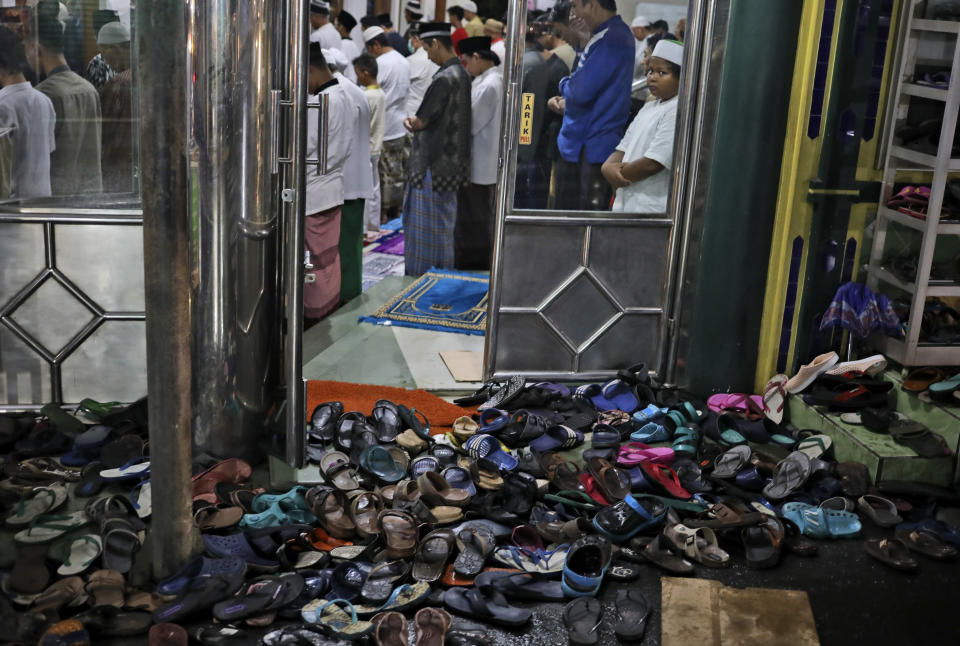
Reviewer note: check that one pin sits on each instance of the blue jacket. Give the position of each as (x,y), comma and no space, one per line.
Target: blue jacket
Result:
(597,94)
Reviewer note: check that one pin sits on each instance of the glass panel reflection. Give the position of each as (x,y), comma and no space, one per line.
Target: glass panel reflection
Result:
(67,116)
(598,106)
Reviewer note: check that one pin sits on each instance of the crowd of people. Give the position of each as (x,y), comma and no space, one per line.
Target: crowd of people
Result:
(70,133)
(432,105)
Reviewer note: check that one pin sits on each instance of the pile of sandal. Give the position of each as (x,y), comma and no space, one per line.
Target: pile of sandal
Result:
(545,494)
(940,386)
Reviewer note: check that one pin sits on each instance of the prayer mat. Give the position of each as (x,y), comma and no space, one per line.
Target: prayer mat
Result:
(697,611)
(442,299)
(392,244)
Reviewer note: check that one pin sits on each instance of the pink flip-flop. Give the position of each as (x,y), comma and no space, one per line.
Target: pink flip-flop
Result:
(749,406)
(632,454)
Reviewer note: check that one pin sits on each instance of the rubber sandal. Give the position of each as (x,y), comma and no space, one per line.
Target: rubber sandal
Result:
(582,618)
(238,546)
(555,438)
(106,621)
(336,468)
(698,544)
(891,552)
(520,586)
(585,565)
(925,542)
(120,542)
(337,616)
(260,597)
(630,516)
(653,550)
(762,543)
(430,626)
(881,511)
(49,527)
(791,473)
(210,517)
(722,516)
(488,448)
(400,533)
(433,552)
(200,566)
(90,482)
(632,454)
(402,598)
(81,554)
(232,470)
(818,522)
(921,379)
(106,588)
(815,446)
(632,611)
(136,469)
(198,596)
(43,500)
(65,593)
(378,461)
(386,419)
(475,544)
(727,464)
(487,605)
(379,582)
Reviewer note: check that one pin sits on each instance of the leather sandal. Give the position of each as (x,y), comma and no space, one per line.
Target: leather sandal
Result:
(399,532)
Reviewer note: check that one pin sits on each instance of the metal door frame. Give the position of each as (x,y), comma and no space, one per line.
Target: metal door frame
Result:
(693,83)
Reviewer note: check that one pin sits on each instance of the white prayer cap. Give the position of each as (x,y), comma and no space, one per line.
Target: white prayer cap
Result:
(320,6)
(372,32)
(640,21)
(336,58)
(669,50)
(113,33)
(469,5)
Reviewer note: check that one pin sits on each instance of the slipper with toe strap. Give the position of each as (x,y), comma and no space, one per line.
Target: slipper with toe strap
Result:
(43,500)
(81,554)
(338,617)
(583,617)
(632,611)
(892,552)
(486,605)
(49,527)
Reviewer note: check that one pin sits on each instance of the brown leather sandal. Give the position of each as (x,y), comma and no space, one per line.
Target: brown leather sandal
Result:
(435,490)
(399,533)
(329,508)
(364,511)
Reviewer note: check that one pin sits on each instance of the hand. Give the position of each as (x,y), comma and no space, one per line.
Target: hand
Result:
(557,104)
(412,124)
(578,29)
(613,173)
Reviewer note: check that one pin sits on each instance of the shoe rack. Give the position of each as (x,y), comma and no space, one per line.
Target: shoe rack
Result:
(935,170)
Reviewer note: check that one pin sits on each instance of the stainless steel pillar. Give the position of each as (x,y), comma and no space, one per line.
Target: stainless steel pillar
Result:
(236,59)
(166,231)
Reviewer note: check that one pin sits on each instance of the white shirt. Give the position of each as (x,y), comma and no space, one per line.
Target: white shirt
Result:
(650,135)
(500,49)
(378,114)
(356,35)
(351,51)
(326,191)
(327,35)
(31,114)
(486,94)
(639,53)
(393,75)
(422,70)
(357,171)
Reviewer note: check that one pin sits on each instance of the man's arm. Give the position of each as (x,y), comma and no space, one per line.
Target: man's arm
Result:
(612,170)
(640,169)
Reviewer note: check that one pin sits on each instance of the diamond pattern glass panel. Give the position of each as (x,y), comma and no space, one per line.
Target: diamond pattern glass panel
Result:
(631,340)
(105,261)
(535,258)
(109,365)
(579,310)
(52,315)
(631,262)
(24,376)
(532,343)
(21,257)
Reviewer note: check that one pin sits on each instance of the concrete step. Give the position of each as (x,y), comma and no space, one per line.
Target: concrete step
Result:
(886,459)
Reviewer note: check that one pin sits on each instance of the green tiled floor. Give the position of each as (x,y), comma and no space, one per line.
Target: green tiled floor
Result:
(886,459)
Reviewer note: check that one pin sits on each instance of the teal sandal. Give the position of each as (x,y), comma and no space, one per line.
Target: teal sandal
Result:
(686,441)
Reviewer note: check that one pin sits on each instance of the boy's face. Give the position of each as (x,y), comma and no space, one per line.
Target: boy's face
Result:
(661,80)
(362,78)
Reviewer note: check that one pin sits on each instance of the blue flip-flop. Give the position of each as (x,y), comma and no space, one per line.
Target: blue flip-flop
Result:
(651,433)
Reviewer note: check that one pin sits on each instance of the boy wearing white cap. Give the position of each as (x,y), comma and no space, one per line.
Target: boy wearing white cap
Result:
(639,167)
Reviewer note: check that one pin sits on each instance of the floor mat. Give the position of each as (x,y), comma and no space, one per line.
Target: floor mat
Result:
(697,611)
(392,244)
(362,397)
(442,299)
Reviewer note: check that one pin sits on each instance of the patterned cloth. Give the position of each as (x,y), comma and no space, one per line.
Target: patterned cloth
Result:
(99,72)
(443,145)
(393,171)
(429,218)
(858,310)
(321,237)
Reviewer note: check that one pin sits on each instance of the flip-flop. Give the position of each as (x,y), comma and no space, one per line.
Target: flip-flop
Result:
(338,616)
(815,446)
(435,549)
(48,527)
(81,554)
(582,618)
(136,469)
(401,599)
(727,464)
(43,500)
(791,474)
(475,545)
(881,511)
(920,379)
(775,398)
(926,542)
(520,586)
(141,498)
(198,596)
(260,597)
(632,612)
(892,552)
(487,605)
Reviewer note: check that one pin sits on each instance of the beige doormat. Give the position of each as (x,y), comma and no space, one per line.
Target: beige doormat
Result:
(464,365)
(707,613)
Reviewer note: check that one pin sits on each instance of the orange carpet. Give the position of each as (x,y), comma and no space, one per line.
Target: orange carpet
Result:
(362,397)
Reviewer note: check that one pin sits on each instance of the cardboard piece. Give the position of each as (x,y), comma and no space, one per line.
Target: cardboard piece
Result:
(464,365)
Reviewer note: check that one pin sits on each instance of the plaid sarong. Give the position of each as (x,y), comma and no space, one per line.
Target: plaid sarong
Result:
(429,219)
(393,171)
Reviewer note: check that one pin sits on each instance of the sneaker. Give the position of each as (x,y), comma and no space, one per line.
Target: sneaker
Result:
(807,374)
(870,366)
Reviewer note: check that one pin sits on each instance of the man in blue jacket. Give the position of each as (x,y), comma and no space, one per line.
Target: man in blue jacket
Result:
(595,103)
